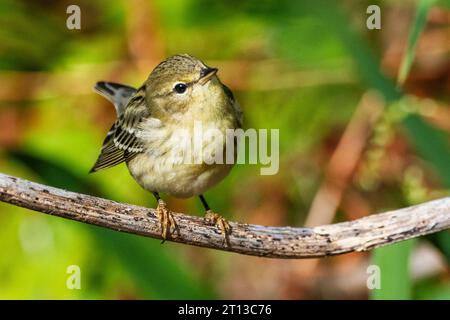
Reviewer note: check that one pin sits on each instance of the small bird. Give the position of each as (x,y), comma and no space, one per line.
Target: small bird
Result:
(179,92)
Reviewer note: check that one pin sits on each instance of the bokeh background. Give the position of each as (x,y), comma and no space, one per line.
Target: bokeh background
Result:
(364,121)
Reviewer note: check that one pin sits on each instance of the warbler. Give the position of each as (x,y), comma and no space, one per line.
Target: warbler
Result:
(179,92)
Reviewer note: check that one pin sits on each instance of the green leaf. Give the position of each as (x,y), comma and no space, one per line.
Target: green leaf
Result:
(442,241)
(419,24)
(432,289)
(393,261)
(431,143)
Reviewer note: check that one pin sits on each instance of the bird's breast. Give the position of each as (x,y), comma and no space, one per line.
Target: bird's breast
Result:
(182,160)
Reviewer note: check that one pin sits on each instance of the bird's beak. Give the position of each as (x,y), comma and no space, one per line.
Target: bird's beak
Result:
(206,74)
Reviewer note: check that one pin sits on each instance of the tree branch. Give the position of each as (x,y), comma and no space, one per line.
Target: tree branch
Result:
(275,242)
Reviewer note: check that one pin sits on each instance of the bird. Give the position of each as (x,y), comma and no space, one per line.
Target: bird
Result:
(180,92)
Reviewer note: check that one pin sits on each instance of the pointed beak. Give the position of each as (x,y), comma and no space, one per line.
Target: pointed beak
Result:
(206,74)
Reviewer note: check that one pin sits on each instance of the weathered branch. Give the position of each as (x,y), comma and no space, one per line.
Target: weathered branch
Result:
(276,242)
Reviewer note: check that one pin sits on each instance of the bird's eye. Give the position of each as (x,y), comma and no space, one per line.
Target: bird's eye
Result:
(180,88)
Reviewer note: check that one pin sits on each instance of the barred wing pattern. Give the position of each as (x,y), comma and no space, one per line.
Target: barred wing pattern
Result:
(121,143)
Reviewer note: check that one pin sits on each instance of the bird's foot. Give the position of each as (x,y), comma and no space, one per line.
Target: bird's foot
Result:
(219,221)
(166,219)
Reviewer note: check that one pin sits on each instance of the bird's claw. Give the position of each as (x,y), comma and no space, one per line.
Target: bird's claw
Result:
(219,221)
(166,219)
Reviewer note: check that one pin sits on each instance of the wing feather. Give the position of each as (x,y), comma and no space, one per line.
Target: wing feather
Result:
(121,143)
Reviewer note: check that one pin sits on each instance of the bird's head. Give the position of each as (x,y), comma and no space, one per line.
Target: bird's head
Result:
(183,83)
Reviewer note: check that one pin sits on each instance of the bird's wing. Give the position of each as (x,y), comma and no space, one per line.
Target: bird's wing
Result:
(118,94)
(236,107)
(121,143)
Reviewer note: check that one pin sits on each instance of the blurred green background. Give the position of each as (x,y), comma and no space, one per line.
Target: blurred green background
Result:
(355,139)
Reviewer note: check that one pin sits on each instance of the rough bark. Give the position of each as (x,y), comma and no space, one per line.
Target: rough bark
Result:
(275,242)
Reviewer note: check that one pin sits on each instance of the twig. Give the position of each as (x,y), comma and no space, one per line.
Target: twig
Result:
(276,242)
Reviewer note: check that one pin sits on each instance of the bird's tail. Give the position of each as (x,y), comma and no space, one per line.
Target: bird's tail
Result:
(118,94)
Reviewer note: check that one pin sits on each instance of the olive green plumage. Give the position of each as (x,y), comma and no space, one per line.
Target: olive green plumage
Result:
(159,99)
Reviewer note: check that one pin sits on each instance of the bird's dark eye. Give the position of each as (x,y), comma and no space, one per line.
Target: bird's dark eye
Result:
(180,88)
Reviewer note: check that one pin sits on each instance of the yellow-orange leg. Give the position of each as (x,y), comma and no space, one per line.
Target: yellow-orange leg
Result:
(165,217)
(219,221)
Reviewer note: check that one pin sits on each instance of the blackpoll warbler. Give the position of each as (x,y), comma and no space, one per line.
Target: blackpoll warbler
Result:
(179,92)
